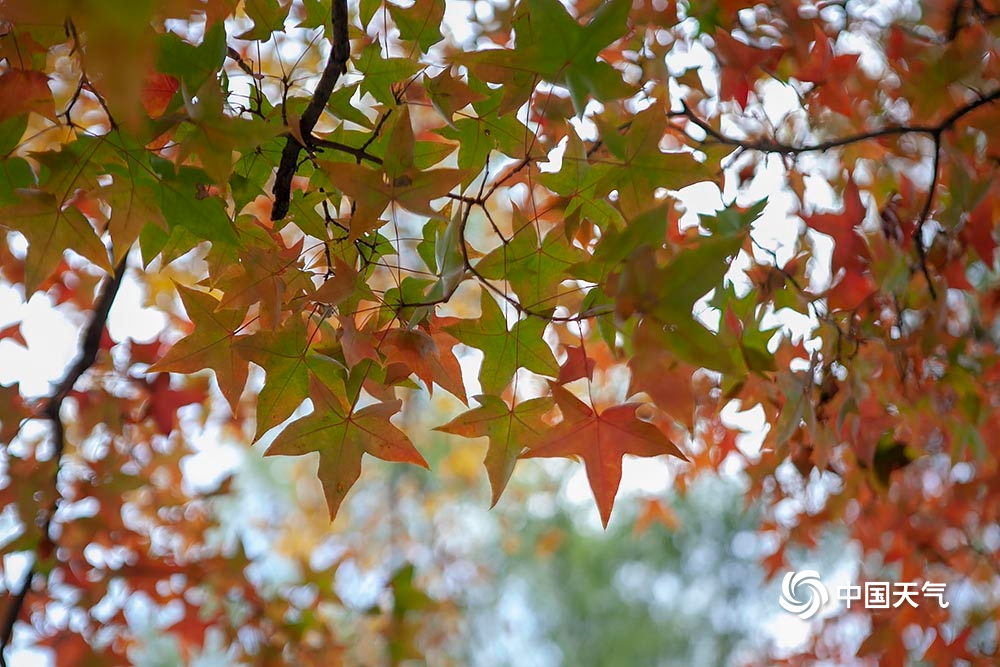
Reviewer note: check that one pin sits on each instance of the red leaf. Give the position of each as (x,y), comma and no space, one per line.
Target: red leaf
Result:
(577,365)
(157,92)
(22,91)
(849,250)
(601,440)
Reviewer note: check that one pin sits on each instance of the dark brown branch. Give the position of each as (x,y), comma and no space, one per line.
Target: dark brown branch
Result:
(89,347)
(336,65)
(358,153)
(936,133)
(773,146)
(956,20)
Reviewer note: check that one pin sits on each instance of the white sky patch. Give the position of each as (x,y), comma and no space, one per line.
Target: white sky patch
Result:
(128,319)
(51,340)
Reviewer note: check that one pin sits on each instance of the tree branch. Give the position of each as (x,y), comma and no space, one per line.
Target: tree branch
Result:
(336,65)
(89,347)
(773,146)
(935,131)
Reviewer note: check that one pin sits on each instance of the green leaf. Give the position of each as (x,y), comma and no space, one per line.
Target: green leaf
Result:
(51,228)
(691,274)
(569,59)
(505,351)
(185,203)
(691,342)
(267,15)
(282,355)
(643,166)
(733,219)
(535,270)
(381,73)
(193,65)
(15,174)
(420,22)
(510,431)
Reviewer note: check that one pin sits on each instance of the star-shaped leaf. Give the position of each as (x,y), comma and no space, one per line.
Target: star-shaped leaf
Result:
(601,440)
(644,167)
(51,228)
(535,270)
(209,345)
(342,436)
(372,191)
(420,22)
(268,16)
(509,430)
(282,355)
(133,205)
(505,351)
(553,45)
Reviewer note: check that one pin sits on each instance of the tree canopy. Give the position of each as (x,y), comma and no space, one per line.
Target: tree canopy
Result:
(749,238)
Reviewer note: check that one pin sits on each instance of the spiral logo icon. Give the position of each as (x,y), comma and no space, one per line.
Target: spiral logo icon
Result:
(817,595)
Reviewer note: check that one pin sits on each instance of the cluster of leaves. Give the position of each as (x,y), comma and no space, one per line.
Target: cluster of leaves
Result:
(512,196)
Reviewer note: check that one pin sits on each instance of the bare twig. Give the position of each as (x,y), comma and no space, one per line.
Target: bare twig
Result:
(936,133)
(774,146)
(918,230)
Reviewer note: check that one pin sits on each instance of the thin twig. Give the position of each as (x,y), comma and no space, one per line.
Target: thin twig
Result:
(774,146)
(918,230)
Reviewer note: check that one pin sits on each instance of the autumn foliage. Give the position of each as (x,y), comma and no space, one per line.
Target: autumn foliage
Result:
(341,209)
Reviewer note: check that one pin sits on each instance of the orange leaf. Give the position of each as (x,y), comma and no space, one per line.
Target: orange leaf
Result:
(341,436)
(210,345)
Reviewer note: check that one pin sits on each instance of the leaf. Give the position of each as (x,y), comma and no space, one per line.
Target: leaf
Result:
(216,135)
(420,22)
(381,73)
(449,257)
(600,440)
(419,353)
(51,228)
(372,191)
(578,180)
(644,166)
(534,269)
(25,91)
(571,59)
(479,135)
(342,436)
(505,351)
(133,206)
(164,401)
(510,431)
(193,65)
(184,203)
(849,249)
(267,15)
(283,356)
(210,345)
(449,95)
(577,365)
